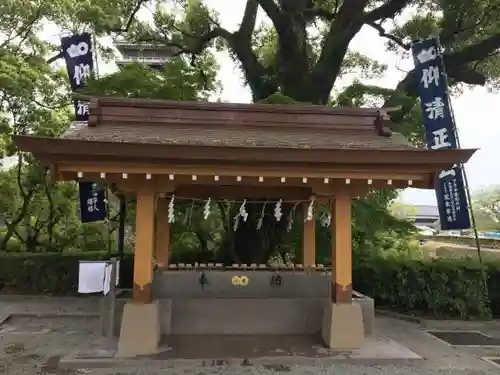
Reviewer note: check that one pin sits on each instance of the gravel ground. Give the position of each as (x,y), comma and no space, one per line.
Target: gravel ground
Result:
(33,346)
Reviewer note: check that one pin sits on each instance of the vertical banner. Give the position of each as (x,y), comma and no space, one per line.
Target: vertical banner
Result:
(92,202)
(77,50)
(440,132)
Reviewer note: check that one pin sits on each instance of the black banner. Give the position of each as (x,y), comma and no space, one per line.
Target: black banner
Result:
(451,190)
(77,51)
(440,131)
(92,202)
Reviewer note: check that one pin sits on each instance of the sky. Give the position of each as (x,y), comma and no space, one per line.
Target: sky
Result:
(477,111)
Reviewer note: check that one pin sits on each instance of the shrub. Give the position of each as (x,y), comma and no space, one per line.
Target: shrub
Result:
(493,270)
(50,273)
(14,245)
(443,288)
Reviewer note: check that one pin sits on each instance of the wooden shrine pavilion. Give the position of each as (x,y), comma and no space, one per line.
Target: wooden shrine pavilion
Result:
(154,149)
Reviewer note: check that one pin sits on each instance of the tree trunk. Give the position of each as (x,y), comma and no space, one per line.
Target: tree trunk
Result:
(52,215)
(12,225)
(252,245)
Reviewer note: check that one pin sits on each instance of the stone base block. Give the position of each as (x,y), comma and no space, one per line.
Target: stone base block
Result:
(342,326)
(140,330)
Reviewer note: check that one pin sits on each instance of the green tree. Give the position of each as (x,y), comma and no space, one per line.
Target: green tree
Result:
(304,50)
(33,101)
(300,54)
(486,205)
(402,210)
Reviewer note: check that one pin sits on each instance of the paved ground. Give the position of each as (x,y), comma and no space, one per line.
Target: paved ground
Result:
(33,346)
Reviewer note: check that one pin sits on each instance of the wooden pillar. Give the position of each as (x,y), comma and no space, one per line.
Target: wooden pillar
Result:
(144,245)
(341,250)
(162,233)
(309,241)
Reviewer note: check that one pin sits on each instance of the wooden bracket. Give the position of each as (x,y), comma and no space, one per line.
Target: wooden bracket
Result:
(381,121)
(94,112)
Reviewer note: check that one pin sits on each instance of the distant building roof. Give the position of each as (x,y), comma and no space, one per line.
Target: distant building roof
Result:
(416,212)
(121,43)
(425,211)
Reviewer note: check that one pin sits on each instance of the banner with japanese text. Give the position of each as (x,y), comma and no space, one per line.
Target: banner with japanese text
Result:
(440,132)
(452,200)
(92,202)
(77,51)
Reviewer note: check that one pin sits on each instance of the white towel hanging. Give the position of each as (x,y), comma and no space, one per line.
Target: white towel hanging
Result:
(91,276)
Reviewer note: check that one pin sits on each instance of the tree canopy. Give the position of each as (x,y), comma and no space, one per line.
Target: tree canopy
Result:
(298,55)
(305,49)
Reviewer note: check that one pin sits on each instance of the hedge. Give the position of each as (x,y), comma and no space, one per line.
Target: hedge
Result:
(443,288)
(51,273)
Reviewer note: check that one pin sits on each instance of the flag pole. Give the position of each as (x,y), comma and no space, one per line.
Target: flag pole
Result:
(464,173)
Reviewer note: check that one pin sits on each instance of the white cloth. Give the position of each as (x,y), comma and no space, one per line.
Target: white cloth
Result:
(107,276)
(91,276)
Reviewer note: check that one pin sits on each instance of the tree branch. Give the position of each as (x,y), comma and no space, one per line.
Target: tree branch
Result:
(407,85)
(388,10)
(475,52)
(345,26)
(319,12)
(241,44)
(249,18)
(382,33)
(255,72)
(60,55)
(199,42)
(273,12)
(25,30)
(20,161)
(457,68)
(466,75)
(131,18)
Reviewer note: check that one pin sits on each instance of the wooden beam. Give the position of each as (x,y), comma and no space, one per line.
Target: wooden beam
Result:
(308,240)
(228,187)
(386,172)
(144,245)
(341,250)
(243,192)
(55,173)
(162,233)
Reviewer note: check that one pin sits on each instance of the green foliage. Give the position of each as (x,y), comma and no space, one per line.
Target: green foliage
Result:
(13,245)
(48,273)
(443,288)
(177,81)
(193,238)
(402,210)
(486,205)
(277,98)
(297,58)
(42,216)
